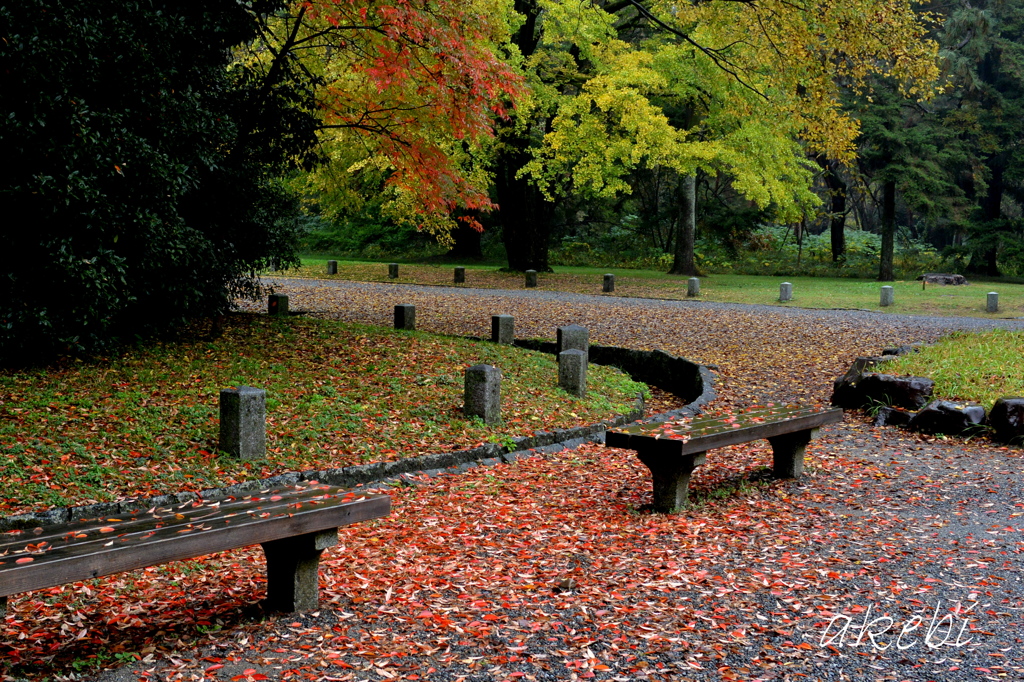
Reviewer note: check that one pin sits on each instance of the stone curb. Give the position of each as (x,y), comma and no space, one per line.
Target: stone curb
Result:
(361,475)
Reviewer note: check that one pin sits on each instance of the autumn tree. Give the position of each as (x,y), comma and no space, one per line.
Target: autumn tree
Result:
(724,87)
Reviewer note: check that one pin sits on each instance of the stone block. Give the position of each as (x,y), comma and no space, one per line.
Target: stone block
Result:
(503,329)
(609,283)
(405,316)
(911,393)
(572,372)
(332,267)
(785,292)
(277,304)
(460,275)
(483,393)
(293,570)
(1007,419)
(992,302)
(888,296)
(393,270)
(531,278)
(943,416)
(693,287)
(243,422)
(572,337)
(892,416)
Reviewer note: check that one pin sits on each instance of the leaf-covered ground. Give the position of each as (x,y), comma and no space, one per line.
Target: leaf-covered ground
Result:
(543,569)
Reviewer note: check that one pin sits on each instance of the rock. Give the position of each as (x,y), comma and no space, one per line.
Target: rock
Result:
(943,416)
(902,350)
(1007,419)
(912,393)
(845,391)
(943,278)
(893,416)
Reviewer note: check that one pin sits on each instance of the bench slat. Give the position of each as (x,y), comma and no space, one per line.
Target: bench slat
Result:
(141,543)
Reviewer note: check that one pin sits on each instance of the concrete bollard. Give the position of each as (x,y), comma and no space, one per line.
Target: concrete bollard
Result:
(992,302)
(503,329)
(483,393)
(332,267)
(531,278)
(277,304)
(572,337)
(888,296)
(460,275)
(243,422)
(609,283)
(405,317)
(393,270)
(693,287)
(785,292)
(273,265)
(572,372)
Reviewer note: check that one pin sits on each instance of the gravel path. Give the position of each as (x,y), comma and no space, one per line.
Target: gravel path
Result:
(925,532)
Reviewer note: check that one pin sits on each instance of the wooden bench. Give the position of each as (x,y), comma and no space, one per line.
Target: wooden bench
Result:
(294,525)
(671,450)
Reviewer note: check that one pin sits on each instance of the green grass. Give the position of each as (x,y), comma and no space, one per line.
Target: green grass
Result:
(338,394)
(978,367)
(808,292)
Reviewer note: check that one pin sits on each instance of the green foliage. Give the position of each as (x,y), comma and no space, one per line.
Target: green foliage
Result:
(978,367)
(140,167)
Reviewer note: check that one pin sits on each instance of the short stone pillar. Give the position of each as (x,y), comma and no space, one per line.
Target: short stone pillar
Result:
(531,278)
(609,283)
(693,287)
(483,393)
(888,296)
(243,422)
(785,292)
(277,304)
(572,372)
(503,329)
(393,270)
(405,316)
(460,275)
(572,337)
(992,302)
(273,265)
(332,267)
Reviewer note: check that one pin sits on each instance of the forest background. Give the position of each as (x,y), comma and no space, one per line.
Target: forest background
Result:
(165,156)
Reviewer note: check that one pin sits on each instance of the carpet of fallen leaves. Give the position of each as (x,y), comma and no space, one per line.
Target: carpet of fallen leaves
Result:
(543,569)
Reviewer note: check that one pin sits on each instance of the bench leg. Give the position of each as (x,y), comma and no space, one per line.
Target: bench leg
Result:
(671,479)
(293,570)
(788,452)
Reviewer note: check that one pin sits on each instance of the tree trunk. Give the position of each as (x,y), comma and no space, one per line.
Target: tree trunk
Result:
(837,210)
(467,242)
(526,216)
(885,267)
(986,263)
(686,228)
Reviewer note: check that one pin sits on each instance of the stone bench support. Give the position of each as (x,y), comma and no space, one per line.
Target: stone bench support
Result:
(293,566)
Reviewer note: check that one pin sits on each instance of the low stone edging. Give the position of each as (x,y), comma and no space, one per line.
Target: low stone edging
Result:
(675,373)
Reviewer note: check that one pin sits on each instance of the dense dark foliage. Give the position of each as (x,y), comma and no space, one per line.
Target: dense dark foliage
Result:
(138,178)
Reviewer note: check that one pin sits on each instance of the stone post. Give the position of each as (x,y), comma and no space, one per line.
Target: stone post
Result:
(273,265)
(693,287)
(531,278)
(503,329)
(243,422)
(888,296)
(572,337)
(405,316)
(785,292)
(483,393)
(609,283)
(393,270)
(572,372)
(460,275)
(992,302)
(277,304)
(332,267)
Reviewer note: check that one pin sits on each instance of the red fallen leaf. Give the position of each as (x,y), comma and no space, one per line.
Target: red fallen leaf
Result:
(24,560)
(218,666)
(275,498)
(106,529)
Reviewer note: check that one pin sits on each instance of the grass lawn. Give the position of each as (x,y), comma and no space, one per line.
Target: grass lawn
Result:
(978,367)
(808,292)
(146,422)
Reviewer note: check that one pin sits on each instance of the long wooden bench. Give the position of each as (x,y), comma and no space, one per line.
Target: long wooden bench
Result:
(293,525)
(671,450)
